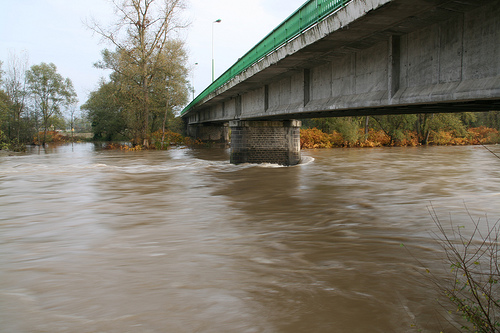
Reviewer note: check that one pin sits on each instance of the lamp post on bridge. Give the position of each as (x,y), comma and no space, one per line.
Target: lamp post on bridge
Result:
(213,61)
(192,77)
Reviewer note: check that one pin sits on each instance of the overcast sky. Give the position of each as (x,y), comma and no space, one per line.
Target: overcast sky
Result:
(53,31)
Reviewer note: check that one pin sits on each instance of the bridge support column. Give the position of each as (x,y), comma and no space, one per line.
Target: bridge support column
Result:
(276,142)
(218,133)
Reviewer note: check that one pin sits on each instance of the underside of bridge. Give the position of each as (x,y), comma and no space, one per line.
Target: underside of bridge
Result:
(371,57)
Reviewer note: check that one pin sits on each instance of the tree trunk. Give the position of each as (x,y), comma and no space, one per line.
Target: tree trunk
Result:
(145,87)
(164,121)
(426,131)
(367,123)
(44,135)
(44,124)
(426,140)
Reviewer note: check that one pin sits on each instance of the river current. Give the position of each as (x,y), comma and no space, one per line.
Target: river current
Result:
(182,241)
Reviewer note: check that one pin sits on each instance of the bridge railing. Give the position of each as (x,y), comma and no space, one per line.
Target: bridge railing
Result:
(302,19)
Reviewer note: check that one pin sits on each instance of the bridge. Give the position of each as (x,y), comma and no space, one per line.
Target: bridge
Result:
(334,58)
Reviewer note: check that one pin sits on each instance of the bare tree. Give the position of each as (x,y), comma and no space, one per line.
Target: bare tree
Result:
(470,281)
(16,88)
(473,286)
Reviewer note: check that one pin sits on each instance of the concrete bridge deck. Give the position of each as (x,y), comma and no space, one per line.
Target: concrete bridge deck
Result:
(371,57)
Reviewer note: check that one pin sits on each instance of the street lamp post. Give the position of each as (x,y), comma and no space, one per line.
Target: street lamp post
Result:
(213,61)
(192,79)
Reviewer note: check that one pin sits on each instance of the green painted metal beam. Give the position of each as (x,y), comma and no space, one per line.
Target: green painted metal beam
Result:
(302,19)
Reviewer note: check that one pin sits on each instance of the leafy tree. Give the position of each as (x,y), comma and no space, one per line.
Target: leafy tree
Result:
(143,43)
(170,98)
(50,92)
(452,122)
(423,127)
(107,117)
(395,126)
(488,119)
(4,112)
(428,123)
(82,124)
(324,124)
(348,127)
(111,109)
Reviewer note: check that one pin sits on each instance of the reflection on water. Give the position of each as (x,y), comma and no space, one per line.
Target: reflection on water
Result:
(183,241)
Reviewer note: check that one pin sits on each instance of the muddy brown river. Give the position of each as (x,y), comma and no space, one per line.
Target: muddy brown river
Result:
(182,241)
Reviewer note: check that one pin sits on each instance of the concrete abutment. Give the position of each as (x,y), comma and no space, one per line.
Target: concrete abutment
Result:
(214,133)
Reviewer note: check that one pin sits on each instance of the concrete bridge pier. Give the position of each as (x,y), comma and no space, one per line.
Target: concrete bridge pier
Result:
(276,142)
(215,133)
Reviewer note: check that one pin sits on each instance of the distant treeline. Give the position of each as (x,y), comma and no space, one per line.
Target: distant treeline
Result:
(402,130)
(147,85)
(33,103)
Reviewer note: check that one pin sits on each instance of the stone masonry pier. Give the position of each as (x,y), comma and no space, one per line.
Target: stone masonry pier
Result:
(275,142)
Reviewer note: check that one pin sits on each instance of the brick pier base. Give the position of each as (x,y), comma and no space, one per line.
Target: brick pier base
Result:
(276,142)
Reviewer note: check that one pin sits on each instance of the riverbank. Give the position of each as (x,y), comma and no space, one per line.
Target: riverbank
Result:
(7,153)
(62,137)
(315,138)
(310,138)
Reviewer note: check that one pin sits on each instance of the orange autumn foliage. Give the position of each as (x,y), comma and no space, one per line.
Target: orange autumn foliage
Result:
(51,136)
(315,138)
(484,134)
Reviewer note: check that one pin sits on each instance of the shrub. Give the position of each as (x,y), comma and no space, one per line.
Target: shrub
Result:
(170,138)
(473,282)
(447,138)
(483,135)
(377,138)
(51,137)
(314,138)
(349,129)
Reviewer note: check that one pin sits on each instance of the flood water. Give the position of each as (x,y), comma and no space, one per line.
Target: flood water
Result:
(182,241)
